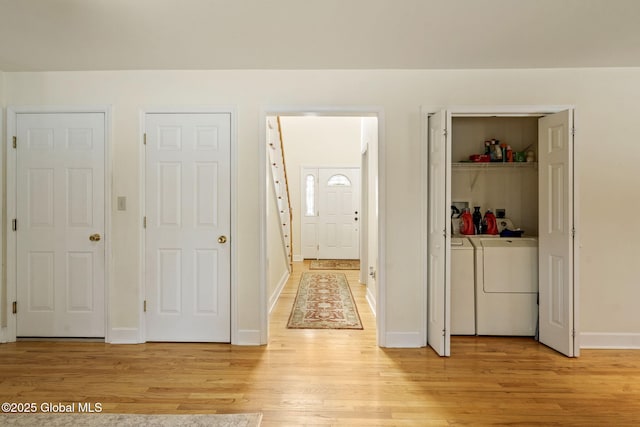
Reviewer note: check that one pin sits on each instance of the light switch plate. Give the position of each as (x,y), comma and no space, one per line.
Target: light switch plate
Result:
(122,203)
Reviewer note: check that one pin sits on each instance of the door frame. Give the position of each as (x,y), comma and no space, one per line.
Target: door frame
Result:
(507,111)
(234,207)
(11,266)
(263,175)
(364,213)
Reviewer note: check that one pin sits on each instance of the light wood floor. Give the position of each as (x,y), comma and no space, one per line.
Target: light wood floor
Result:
(331,377)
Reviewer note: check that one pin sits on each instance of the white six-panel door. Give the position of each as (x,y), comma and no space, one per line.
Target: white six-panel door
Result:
(188,220)
(60,193)
(438,230)
(555,146)
(339,213)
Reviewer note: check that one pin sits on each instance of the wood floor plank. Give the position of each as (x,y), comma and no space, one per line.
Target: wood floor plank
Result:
(334,377)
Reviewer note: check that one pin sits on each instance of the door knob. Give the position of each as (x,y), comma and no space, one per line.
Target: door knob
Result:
(94,237)
(222,239)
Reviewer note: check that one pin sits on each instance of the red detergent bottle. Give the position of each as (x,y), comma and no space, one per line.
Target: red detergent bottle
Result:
(491,225)
(466,222)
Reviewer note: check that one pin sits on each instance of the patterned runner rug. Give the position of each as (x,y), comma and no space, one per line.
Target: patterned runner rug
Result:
(335,264)
(324,301)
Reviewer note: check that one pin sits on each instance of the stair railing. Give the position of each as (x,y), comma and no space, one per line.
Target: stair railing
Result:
(281,186)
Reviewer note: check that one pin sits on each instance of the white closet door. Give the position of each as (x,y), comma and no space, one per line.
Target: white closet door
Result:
(556,288)
(60,206)
(339,210)
(439,227)
(188,220)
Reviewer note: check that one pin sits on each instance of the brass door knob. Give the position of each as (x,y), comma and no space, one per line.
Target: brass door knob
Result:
(94,237)
(222,239)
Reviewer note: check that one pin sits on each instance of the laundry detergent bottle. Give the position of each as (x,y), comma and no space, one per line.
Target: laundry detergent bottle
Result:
(490,223)
(466,222)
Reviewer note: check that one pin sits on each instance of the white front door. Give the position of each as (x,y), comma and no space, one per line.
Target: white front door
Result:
(60,274)
(438,233)
(188,220)
(339,213)
(556,242)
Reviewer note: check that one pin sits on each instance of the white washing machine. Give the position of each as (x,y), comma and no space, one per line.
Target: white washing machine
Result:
(506,282)
(463,304)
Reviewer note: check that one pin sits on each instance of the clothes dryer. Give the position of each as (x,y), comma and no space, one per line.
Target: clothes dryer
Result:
(506,282)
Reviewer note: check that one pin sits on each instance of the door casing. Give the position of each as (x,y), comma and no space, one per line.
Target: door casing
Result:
(11,282)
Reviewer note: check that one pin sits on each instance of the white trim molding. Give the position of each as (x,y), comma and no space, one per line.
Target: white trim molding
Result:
(124,336)
(248,337)
(281,284)
(404,339)
(610,340)
(371,300)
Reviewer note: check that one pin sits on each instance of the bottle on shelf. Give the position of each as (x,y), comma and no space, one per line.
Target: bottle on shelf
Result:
(496,150)
(509,154)
(490,223)
(466,222)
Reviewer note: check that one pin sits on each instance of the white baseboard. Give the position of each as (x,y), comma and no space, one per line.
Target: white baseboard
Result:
(297,258)
(124,336)
(403,340)
(611,340)
(4,335)
(247,337)
(276,294)
(371,300)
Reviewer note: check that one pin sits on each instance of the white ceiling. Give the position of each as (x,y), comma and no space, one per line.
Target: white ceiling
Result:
(317,34)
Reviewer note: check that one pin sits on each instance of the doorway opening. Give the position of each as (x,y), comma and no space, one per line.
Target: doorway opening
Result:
(521,285)
(341,148)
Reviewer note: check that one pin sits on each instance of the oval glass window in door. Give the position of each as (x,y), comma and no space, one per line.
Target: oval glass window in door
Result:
(339,180)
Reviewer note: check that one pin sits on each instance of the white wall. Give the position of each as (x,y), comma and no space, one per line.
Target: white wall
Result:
(316,141)
(607,152)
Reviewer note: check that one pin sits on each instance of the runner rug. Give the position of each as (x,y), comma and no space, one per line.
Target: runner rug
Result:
(130,420)
(324,301)
(334,264)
